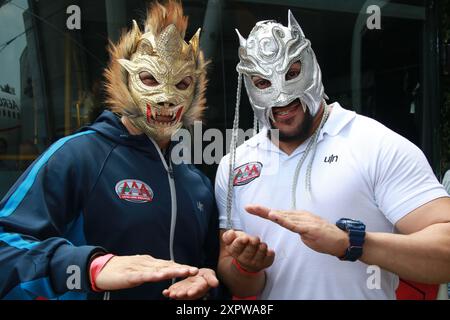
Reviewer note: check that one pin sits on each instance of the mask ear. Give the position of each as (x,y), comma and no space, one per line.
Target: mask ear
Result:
(128,65)
(242,41)
(195,42)
(292,22)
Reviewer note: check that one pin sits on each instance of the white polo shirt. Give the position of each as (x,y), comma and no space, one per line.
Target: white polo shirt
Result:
(362,170)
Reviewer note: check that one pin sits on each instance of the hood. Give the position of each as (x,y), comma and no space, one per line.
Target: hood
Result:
(108,124)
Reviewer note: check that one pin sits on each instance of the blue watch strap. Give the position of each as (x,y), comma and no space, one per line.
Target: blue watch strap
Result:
(356,232)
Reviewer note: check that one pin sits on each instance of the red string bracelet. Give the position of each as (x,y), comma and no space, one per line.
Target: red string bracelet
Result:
(242,270)
(96,266)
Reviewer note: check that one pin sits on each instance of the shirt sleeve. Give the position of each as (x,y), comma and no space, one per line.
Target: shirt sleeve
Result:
(446,181)
(403,179)
(221,192)
(36,261)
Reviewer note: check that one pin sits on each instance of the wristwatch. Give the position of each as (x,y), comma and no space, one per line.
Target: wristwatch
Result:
(356,231)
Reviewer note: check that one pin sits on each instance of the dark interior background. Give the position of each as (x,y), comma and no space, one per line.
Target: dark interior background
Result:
(51,77)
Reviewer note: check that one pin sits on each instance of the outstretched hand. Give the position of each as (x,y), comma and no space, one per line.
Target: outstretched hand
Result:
(251,254)
(194,287)
(315,232)
(123,272)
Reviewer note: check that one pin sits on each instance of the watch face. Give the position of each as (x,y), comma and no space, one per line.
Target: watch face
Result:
(342,224)
(355,224)
(346,224)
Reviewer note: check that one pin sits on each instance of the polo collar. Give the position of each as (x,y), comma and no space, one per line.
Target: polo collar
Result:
(337,121)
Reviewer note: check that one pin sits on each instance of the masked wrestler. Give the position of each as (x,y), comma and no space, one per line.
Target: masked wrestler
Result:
(323,187)
(104,213)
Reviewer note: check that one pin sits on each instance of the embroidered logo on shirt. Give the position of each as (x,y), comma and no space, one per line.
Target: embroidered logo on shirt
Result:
(247,173)
(330,159)
(134,191)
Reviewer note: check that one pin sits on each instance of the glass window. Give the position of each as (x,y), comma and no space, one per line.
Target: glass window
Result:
(51,77)
(13,72)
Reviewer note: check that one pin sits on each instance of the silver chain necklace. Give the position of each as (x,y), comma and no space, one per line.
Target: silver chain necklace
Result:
(311,145)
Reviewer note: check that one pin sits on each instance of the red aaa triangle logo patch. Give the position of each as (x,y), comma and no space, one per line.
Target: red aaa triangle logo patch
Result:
(246,173)
(134,191)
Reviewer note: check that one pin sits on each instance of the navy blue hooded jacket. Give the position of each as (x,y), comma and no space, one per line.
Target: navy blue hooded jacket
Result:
(102,189)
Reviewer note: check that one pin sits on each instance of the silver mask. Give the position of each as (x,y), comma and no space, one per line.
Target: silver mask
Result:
(269,52)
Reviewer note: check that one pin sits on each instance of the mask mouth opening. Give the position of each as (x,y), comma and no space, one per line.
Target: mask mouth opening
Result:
(163,116)
(293,104)
(285,109)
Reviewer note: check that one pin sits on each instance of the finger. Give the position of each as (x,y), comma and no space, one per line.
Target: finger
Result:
(136,278)
(179,294)
(174,289)
(254,241)
(289,224)
(291,216)
(211,279)
(296,216)
(295,221)
(189,290)
(261,253)
(199,287)
(250,250)
(177,270)
(191,270)
(269,258)
(197,294)
(150,262)
(199,290)
(229,236)
(176,267)
(152,275)
(258,210)
(238,245)
(278,218)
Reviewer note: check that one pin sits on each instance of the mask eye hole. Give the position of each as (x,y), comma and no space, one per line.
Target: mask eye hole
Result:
(261,83)
(293,71)
(184,84)
(148,79)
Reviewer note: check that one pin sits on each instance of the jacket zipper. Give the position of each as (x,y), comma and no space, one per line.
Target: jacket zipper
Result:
(173,199)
